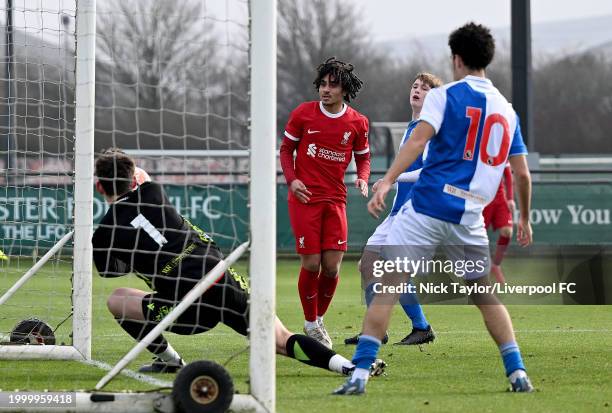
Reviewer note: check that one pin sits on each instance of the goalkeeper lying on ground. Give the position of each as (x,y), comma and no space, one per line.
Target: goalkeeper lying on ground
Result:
(144,234)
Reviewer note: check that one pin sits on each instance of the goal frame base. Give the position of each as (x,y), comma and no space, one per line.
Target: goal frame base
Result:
(40,352)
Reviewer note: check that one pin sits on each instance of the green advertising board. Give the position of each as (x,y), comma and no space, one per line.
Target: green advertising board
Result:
(35,218)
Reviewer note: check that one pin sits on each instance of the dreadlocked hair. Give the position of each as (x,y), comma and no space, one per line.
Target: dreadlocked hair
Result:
(342,73)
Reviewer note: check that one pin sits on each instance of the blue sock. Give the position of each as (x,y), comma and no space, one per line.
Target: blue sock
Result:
(511,355)
(365,354)
(413,309)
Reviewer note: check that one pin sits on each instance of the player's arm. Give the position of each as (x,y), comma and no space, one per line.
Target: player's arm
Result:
(293,134)
(286,159)
(141,176)
(508,186)
(522,179)
(406,157)
(107,265)
(410,176)
(361,150)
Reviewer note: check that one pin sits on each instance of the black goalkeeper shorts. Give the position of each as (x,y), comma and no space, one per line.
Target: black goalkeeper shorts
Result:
(227,302)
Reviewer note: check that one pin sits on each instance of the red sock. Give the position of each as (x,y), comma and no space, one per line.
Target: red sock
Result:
(502,246)
(308,286)
(327,288)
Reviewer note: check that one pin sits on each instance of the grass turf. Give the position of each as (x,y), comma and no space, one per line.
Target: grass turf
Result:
(567,349)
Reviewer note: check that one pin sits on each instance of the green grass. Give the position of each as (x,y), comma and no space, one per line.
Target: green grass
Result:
(567,349)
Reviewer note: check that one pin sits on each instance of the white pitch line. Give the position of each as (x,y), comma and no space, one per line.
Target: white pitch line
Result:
(483,331)
(557,330)
(129,373)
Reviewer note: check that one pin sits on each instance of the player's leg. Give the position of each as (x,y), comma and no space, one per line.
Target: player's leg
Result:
(494,313)
(334,234)
(499,324)
(422,332)
(503,241)
(334,242)
(413,237)
(328,281)
(308,288)
(375,324)
(365,266)
(306,225)
(311,352)
(228,301)
(502,222)
(128,307)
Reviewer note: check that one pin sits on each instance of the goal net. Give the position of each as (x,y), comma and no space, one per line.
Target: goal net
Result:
(187,91)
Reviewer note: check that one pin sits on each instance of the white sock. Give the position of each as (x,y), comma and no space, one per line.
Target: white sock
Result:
(311,324)
(169,354)
(339,364)
(362,374)
(517,374)
(320,319)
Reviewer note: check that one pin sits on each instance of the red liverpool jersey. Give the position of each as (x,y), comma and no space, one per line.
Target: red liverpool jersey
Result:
(325,145)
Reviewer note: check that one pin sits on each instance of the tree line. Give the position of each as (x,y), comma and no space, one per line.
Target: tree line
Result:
(169,78)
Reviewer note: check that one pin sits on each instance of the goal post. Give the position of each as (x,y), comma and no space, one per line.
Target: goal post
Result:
(263,200)
(84,92)
(84,176)
(206,133)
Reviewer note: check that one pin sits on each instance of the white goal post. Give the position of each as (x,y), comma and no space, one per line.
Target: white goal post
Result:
(83,201)
(262,204)
(263,201)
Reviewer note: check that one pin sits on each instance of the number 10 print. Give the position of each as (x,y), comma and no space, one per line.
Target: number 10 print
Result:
(472,136)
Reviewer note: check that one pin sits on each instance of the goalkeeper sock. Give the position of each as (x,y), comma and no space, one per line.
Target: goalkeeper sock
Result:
(169,354)
(327,288)
(500,250)
(308,285)
(340,365)
(511,355)
(139,329)
(310,351)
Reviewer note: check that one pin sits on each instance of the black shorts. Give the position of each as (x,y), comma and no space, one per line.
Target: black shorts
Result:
(227,302)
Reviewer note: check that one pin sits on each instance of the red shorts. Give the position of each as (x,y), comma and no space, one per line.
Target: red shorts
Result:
(497,214)
(318,227)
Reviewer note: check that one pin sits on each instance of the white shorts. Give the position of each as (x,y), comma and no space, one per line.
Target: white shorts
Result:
(416,236)
(379,237)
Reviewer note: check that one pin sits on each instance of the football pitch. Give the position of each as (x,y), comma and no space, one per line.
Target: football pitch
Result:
(567,350)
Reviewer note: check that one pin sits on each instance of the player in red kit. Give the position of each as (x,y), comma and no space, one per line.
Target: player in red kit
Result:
(498,214)
(324,134)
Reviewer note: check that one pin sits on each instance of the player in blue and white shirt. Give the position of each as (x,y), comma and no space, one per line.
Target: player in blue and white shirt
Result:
(472,131)
(421,330)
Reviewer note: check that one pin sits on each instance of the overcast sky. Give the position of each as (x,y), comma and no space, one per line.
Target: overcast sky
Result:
(391,19)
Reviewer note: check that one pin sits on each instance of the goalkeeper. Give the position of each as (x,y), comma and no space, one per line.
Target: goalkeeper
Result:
(143,233)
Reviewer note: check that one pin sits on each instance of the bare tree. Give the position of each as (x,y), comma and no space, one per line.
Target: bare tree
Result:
(167,79)
(573,105)
(155,51)
(311,31)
